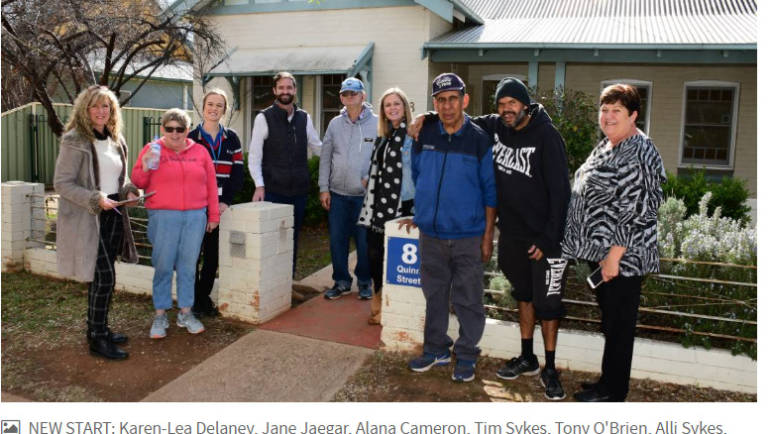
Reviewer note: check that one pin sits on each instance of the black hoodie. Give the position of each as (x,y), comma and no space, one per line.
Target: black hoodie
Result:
(532,177)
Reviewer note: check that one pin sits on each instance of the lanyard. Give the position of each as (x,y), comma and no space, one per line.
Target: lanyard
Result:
(211,146)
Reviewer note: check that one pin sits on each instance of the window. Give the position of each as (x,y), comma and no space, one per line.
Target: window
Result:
(330,99)
(708,130)
(645,94)
(261,94)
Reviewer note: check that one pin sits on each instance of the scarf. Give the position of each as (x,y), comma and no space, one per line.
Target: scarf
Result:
(383,190)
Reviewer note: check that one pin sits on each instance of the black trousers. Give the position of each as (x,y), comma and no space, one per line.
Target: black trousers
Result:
(375,247)
(101,288)
(619,303)
(205,275)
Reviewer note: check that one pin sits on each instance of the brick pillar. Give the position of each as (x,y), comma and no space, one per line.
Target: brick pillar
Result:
(255,255)
(23,218)
(403,305)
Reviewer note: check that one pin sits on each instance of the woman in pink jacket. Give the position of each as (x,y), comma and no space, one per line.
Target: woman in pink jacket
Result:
(182,176)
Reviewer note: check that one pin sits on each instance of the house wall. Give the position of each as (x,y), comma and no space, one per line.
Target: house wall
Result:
(160,94)
(667,105)
(667,101)
(397,32)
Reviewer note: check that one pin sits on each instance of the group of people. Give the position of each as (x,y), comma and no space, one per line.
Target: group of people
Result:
(453,176)
(189,179)
(511,168)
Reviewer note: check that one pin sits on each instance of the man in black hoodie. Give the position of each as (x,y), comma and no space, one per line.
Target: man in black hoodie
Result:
(533,194)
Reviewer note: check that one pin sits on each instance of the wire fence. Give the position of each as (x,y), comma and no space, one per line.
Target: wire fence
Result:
(695,302)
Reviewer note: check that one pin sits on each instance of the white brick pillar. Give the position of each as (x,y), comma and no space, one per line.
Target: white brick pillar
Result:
(255,261)
(403,305)
(23,219)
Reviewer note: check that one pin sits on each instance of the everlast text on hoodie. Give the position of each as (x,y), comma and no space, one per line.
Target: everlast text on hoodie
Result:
(532,178)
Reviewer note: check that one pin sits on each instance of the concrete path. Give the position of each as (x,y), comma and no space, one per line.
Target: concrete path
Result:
(305,354)
(268,366)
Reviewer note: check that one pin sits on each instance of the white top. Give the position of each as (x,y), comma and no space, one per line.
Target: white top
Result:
(110,165)
(258,136)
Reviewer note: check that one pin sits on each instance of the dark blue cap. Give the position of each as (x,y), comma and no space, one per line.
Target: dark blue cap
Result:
(447,81)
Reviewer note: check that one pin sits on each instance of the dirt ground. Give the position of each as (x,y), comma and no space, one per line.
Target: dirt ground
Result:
(385,377)
(45,357)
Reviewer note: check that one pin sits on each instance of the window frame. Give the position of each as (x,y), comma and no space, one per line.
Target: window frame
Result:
(736,86)
(636,83)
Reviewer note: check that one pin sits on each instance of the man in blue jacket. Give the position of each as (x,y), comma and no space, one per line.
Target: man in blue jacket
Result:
(455,205)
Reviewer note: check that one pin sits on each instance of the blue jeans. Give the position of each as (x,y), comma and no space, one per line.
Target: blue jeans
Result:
(176,240)
(299,203)
(343,223)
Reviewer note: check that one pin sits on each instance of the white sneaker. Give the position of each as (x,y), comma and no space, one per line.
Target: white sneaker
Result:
(189,321)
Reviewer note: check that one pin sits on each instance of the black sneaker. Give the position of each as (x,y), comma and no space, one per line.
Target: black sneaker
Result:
(549,378)
(518,366)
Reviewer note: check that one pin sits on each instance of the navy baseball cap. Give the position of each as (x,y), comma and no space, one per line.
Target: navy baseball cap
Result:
(447,81)
(352,84)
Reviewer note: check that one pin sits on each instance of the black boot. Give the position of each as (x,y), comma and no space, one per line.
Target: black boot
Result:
(114,337)
(117,337)
(105,348)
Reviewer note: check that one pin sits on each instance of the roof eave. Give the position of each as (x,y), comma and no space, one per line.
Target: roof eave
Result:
(564,45)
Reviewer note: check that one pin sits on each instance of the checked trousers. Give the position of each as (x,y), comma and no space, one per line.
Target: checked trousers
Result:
(101,288)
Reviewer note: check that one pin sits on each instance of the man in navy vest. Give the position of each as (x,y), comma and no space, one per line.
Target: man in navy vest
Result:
(278,152)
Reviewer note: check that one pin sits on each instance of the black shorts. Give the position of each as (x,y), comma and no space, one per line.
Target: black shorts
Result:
(540,282)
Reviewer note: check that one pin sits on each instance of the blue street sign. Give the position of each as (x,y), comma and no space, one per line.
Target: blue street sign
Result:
(403,266)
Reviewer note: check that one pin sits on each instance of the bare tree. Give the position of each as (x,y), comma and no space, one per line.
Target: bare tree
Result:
(62,46)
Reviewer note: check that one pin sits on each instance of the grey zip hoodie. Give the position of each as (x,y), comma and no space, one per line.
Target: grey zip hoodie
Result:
(346,152)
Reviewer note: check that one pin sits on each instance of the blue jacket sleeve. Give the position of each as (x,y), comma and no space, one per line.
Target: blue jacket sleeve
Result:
(487,176)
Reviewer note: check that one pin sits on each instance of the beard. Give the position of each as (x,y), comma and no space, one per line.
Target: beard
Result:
(285,98)
(517,118)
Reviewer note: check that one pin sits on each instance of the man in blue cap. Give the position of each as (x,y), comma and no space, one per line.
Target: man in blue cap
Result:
(454,203)
(344,167)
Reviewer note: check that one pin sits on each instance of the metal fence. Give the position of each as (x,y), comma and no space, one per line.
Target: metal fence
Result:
(29,147)
(669,299)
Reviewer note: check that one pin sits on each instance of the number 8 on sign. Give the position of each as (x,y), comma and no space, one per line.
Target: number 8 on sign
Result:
(409,254)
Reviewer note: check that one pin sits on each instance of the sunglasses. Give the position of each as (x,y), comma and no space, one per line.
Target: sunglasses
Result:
(173,129)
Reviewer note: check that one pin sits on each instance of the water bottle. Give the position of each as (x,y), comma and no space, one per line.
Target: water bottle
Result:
(154,160)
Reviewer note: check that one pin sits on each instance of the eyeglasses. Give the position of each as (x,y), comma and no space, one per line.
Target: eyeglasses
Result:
(172,129)
(349,93)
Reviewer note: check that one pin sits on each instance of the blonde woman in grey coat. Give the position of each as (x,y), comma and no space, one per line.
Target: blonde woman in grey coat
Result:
(92,229)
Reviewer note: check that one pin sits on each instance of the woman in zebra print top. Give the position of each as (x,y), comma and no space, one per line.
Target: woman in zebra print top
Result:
(612,224)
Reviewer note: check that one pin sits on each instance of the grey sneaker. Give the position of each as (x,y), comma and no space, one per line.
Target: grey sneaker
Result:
(189,321)
(159,326)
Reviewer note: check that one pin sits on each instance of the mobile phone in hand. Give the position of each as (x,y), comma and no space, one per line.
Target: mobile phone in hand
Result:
(595,279)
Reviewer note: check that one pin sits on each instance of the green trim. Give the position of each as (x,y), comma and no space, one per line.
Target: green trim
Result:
(363,66)
(561,75)
(549,46)
(293,6)
(235,87)
(271,73)
(534,70)
(442,8)
(469,14)
(508,55)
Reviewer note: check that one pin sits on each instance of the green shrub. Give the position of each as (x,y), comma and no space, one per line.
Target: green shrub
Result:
(314,212)
(574,115)
(729,193)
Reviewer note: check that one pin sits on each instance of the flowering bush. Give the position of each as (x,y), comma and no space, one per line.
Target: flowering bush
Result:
(703,237)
